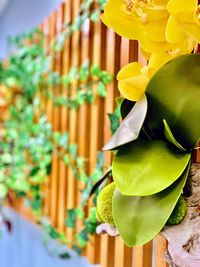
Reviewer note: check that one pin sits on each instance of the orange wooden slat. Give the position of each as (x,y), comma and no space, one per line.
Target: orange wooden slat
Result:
(160,245)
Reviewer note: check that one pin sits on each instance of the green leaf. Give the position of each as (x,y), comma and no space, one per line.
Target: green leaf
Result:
(82,237)
(65,256)
(114,121)
(106,77)
(140,219)
(53,233)
(101,89)
(73,150)
(147,167)
(169,136)
(95,70)
(95,15)
(71,218)
(3,190)
(173,95)
(84,70)
(130,127)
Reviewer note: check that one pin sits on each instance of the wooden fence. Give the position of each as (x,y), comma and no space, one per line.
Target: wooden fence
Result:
(89,128)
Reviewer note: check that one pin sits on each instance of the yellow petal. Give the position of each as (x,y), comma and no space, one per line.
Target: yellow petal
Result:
(151,46)
(130,70)
(155,30)
(174,33)
(133,88)
(160,2)
(192,30)
(137,22)
(123,22)
(184,6)
(145,53)
(156,20)
(157,60)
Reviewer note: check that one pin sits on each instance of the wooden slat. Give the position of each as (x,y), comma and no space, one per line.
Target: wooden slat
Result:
(160,246)
(53,183)
(89,127)
(63,127)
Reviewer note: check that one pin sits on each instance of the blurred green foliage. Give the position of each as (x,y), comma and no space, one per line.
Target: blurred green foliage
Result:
(27,140)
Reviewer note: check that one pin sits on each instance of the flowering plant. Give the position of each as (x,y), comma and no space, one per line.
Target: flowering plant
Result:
(158,135)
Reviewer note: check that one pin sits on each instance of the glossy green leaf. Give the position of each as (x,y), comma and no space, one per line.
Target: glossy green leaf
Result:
(140,219)
(170,137)
(147,167)
(130,127)
(173,94)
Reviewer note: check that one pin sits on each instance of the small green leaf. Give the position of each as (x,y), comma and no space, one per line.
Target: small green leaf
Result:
(140,219)
(71,218)
(53,233)
(73,150)
(101,89)
(82,237)
(146,167)
(169,136)
(67,160)
(65,256)
(95,70)
(3,190)
(84,70)
(95,15)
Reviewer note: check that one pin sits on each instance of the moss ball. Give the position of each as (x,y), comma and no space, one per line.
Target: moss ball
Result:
(104,204)
(179,212)
(98,216)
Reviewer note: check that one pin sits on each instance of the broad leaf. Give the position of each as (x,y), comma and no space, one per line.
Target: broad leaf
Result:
(173,94)
(140,219)
(130,127)
(147,167)
(170,137)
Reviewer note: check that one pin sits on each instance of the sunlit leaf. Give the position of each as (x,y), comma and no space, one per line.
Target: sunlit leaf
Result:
(130,127)
(147,167)
(173,94)
(140,219)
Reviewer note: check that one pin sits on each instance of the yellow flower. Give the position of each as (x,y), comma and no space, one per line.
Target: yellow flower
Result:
(169,51)
(184,19)
(137,19)
(133,79)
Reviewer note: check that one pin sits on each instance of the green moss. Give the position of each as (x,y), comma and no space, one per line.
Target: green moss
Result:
(104,204)
(98,216)
(179,212)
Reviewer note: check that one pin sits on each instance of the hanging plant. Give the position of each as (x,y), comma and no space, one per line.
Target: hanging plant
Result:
(160,130)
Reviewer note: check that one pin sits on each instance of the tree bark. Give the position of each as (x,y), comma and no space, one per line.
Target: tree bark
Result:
(184,239)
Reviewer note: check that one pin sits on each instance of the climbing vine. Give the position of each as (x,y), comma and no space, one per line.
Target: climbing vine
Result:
(28,142)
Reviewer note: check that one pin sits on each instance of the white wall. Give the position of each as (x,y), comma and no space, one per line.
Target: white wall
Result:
(24,247)
(22,15)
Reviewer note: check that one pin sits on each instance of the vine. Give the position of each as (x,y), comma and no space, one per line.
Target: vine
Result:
(27,140)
